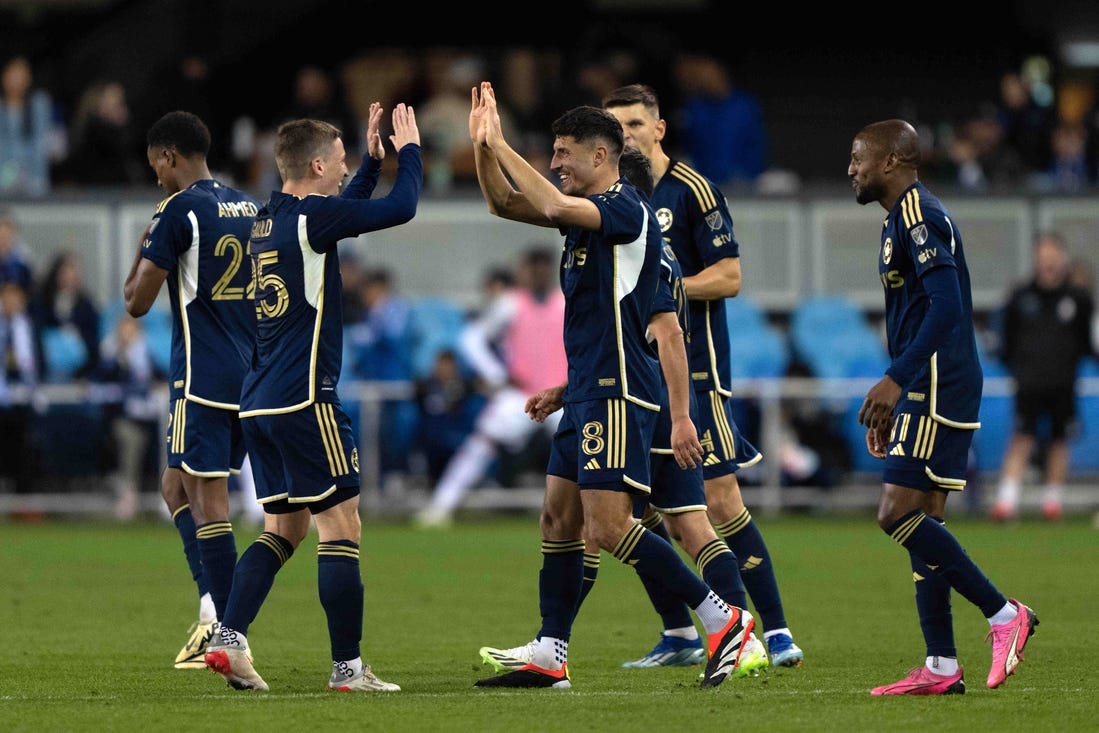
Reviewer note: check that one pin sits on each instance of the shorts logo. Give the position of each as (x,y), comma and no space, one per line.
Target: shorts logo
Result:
(919,234)
(887,251)
(355,459)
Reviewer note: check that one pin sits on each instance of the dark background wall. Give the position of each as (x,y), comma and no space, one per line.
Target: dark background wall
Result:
(820,74)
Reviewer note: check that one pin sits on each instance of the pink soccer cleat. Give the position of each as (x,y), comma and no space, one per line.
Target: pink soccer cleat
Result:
(922,681)
(1008,641)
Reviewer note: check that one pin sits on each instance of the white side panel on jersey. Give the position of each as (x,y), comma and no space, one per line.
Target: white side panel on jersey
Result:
(628,260)
(313,266)
(187,267)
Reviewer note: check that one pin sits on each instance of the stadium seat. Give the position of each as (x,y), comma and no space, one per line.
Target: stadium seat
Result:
(759,350)
(435,324)
(63,352)
(832,337)
(1083,456)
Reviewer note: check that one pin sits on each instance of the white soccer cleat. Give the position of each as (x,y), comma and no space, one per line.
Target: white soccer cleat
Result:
(365,681)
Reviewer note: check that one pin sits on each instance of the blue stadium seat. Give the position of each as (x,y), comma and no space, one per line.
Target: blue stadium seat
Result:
(832,337)
(759,350)
(1083,456)
(435,324)
(63,352)
(744,313)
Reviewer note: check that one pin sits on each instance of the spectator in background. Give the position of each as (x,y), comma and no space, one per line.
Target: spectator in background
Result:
(64,303)
(443,118)
(1027,125)
(381,349)
(353,277)
(449,403)
(1046,332)
(31,135)
(314,95)
(18,369)
(133,414)
(1068,172)
(103,141)
(13,262)
(721,125)
(515,347)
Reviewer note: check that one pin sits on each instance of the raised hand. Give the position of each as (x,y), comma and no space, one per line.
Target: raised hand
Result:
(374,146)
(477,115)
(405,130)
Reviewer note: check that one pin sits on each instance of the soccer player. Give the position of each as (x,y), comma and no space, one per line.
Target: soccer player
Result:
(677,491)
(198,235)
(300,440)
(920,417)
(599,459)
(694,220)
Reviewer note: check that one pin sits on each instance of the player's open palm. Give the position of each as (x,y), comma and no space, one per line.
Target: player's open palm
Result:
(405,130)
(374,147)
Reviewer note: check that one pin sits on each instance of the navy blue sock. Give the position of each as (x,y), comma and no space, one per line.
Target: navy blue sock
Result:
(185,525)
(218,548)
(591,572)
(941,551)
(933,605)
(673,612)
(340,585)
(756,570)
(559,585)
(718,567)
(253,578)
(655,558)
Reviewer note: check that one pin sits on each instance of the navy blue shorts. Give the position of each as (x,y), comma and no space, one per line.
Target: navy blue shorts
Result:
(604,444)
(926,455)
(204,441)
(675,489)
(302,456)
(725,450)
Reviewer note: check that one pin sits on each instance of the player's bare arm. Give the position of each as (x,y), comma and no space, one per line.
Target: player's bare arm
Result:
(665,328)
(719,280)
(142,283)
(557,208)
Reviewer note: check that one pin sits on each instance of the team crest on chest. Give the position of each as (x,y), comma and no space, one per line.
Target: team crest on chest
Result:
(919,234)
(887,250)
(664,217)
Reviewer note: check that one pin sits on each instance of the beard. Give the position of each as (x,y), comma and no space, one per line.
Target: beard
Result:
(867,194)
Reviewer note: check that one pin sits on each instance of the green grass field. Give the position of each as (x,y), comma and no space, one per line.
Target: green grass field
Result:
(93,615)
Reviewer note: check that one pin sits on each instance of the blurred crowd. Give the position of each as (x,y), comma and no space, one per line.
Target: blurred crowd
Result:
(1036,132)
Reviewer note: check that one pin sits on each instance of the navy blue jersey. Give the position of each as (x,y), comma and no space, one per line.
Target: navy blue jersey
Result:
(199,235)
(609,279)
(917,236)
(299,339)
(694,219)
